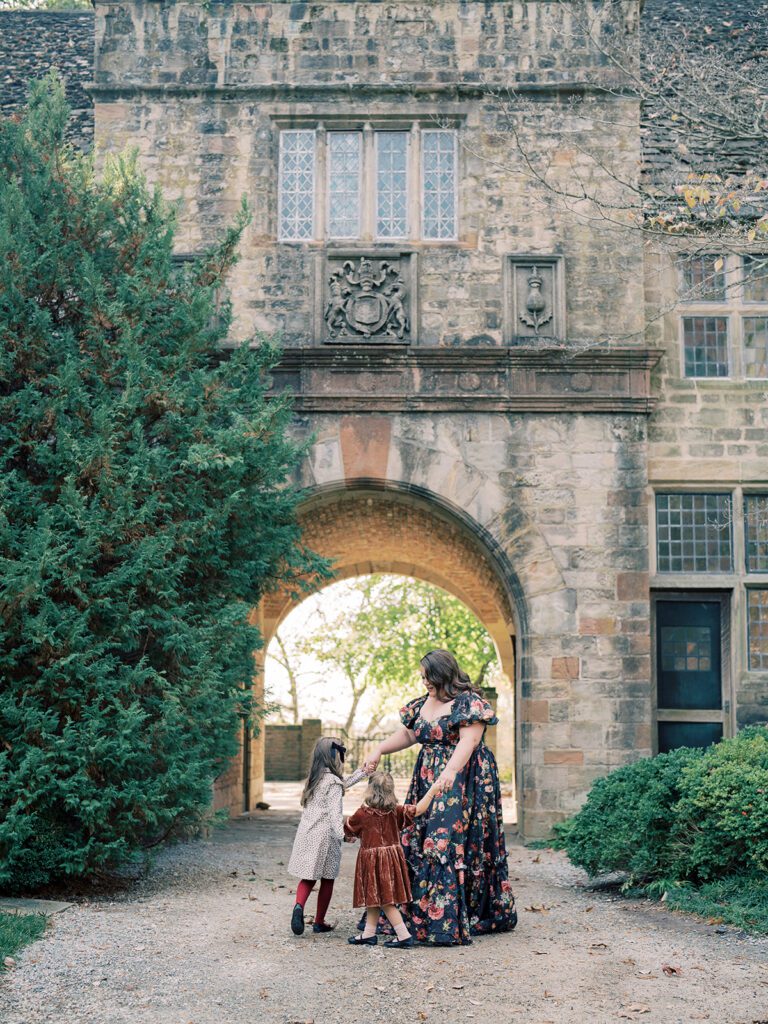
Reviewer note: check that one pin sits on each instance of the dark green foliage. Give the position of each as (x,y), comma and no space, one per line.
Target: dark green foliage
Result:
(626,821)
(17,930)
(721,820)
(739,900)
(692,824)
(142,510)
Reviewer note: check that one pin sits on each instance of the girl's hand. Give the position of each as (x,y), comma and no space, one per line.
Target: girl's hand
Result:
(372,763)
(445,780)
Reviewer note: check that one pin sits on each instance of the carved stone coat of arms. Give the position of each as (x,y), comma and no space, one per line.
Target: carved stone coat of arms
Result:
(366,299)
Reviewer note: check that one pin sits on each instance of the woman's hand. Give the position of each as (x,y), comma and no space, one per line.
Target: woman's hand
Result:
(445,780)
(372,762)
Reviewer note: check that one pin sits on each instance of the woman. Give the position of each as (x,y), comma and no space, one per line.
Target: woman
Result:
(456,854)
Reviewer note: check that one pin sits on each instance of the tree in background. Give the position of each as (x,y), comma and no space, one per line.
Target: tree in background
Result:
(143,510)
(372,633)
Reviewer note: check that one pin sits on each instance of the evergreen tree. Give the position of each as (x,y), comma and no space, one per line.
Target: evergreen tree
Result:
(143,510)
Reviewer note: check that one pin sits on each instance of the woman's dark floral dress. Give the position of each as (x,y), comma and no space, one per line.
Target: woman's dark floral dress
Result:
(456,854)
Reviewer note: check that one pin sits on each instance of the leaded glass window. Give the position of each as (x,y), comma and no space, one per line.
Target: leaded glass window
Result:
(344,167)
(756,278)
(297,185)
(756,531)
(757,626)
(438,172)
(391,184)
(705,345)
(703,278)
(694,533)
(755,335)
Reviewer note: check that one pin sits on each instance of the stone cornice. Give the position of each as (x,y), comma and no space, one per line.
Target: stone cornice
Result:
(311,92)
(388,378)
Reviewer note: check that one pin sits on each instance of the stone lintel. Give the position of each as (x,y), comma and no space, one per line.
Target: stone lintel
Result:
(367,378)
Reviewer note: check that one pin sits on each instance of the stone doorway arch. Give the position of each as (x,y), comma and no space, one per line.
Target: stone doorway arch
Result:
(368,527)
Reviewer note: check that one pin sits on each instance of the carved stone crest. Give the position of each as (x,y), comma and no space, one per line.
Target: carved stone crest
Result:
(535,305)
(366,298)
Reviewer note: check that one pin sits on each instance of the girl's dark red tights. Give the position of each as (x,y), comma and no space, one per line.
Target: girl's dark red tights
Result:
(305,887)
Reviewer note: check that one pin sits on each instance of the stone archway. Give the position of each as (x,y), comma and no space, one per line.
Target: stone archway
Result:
(365,528)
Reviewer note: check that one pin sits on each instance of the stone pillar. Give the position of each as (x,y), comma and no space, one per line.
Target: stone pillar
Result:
(491,694)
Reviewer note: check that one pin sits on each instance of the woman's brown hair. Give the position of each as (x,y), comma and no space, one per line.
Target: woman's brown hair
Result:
(381,792)
(442,670)
(323,757)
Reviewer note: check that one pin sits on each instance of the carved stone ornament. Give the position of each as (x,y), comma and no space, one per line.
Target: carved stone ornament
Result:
(366,298)
(535,303)
(538,311)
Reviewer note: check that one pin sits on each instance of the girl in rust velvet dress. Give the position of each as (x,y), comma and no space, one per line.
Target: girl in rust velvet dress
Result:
(381,874)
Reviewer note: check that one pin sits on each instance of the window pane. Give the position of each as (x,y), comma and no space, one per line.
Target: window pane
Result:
(391,184)
(344,184)
(756,278)
(297,184)
(438,154)
(693,532)
(705,342)
(756,531)
(757,618)
(703,278)
(755,334)
(688,734)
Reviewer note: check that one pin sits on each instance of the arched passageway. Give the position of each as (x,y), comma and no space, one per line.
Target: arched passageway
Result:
(367,529)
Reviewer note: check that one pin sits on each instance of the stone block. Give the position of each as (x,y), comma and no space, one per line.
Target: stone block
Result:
(564,757)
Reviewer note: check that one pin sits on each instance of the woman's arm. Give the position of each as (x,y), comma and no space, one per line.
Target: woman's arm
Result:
(399,740)
(469,737)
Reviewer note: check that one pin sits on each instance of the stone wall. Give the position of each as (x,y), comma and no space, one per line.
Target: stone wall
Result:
(708,435)
(33,43)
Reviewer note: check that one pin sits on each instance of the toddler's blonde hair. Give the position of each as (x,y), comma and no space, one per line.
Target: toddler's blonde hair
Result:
(381,792)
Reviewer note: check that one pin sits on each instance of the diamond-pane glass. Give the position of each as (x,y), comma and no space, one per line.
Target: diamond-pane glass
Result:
(297,185)
(757,621)
(438,155)
(703,279)
(755,334)
(391,184)
(756,278)
(344,184)
(756,531)
(693,532)
(705,342)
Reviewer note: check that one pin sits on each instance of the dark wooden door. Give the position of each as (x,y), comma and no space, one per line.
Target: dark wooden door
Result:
(691,707)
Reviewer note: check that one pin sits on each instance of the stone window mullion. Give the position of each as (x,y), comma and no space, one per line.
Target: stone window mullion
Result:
(321,186)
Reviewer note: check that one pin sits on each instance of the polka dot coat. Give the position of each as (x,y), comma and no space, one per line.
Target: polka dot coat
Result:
(317,847)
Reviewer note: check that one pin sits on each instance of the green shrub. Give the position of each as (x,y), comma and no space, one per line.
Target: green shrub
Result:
(687,816)
(626,821)
(721,819)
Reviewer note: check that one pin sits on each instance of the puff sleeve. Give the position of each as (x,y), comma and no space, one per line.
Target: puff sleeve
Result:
(470,708)
(410,712)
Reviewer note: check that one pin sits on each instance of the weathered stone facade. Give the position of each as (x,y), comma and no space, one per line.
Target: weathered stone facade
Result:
(493,412)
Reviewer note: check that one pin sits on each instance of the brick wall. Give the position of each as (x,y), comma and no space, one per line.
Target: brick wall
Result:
(288,749)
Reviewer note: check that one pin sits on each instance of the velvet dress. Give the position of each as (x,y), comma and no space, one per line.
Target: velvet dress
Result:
(456,854)
(381,874)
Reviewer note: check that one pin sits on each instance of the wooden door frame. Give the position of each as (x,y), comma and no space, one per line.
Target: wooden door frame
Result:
(725,599)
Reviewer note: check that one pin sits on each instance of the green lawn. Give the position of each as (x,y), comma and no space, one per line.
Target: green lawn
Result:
(17,930)
(739,901)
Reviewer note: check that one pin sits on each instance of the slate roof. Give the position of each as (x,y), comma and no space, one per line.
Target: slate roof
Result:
(32,42)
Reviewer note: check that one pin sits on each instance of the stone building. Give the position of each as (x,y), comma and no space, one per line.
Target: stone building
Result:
(493,408)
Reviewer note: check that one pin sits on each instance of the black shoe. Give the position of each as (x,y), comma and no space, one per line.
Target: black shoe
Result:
(297,920)
(358,940)
(400,943)
(323,927)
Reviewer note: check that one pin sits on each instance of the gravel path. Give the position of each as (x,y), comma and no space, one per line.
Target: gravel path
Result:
(204,939)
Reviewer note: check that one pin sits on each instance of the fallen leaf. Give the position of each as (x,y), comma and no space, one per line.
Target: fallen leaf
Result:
(715,920)
(588,910)
(670,971)
(535,908)
(474,1002)
(430,987)
(539,952)
(629,961)
(9,961)
(598,945)
(635,1008)
(457,986)
(421,1015)
(537,858)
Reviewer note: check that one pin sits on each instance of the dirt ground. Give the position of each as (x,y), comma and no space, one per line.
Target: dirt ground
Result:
(204,939)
